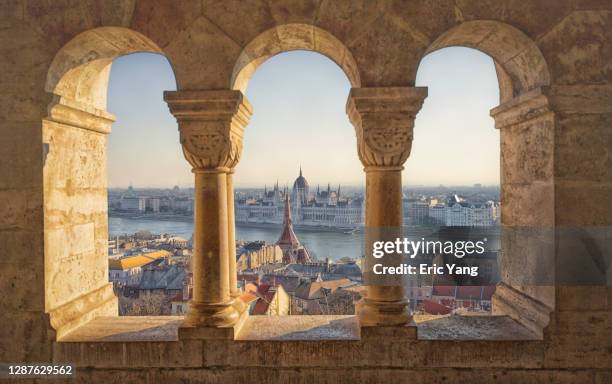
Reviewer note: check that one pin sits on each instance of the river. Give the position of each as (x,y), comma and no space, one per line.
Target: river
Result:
(320,243)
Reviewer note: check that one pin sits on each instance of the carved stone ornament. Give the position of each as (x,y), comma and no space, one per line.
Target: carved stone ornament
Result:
(384,119)
(211,125)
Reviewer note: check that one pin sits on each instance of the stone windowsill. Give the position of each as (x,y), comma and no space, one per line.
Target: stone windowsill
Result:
(293,328)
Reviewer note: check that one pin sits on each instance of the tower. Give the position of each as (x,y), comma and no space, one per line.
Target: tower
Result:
(293,251)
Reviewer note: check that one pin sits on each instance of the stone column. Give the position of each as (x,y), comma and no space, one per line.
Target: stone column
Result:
(383,119)
(211,125)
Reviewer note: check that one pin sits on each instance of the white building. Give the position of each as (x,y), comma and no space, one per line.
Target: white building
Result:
(416,212)
(457,212)
(133,204)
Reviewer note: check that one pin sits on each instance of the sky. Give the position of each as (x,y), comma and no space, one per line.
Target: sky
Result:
(299,119)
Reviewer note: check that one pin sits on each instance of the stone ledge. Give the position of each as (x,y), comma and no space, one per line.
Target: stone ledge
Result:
(300,328)
(471,328)
(127,329)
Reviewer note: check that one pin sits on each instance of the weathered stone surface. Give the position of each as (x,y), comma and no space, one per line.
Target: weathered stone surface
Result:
(54,63)
(583,146)
(577,203)
(348,20)
(586,62)
(392,51)
(300,328)
(255,17)
(175,16)
(427,20)
(191,53)
(471,328)
(294,11)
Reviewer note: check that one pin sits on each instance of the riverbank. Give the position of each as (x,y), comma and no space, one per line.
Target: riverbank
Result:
(189,219)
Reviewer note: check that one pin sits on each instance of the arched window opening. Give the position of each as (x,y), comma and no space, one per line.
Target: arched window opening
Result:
(526,124)
(75,136)
(150,196)
(451,181)
(299,191)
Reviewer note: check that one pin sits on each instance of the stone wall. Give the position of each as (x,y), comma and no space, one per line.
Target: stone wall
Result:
(553,60)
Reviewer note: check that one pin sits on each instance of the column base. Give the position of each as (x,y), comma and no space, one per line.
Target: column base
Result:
(406,331)
(207,332)
(373,313)
(238,304)
(212,315)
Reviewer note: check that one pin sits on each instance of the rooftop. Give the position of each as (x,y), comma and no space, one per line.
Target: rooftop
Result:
(137,261)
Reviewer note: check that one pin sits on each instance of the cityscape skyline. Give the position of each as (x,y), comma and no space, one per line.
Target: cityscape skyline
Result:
(318,137)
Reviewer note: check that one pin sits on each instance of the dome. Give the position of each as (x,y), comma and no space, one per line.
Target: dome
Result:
(300,182)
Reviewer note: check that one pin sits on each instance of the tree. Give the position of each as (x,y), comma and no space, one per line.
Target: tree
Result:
(153,304)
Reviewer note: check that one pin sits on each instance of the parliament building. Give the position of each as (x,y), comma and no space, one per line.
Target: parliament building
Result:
(324,208)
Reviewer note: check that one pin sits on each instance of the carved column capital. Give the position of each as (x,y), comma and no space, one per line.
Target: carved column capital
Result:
(383,119)
(211,126)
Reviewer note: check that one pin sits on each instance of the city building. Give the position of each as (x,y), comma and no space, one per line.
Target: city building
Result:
(128,270)
(324,208)
(272,300)
(164,279)
(316,297)
(254,254)
(133,204)
(552,62)
(459,212)
(179,304)
(416,211)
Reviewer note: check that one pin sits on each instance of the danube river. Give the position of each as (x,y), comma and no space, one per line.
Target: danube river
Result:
(322,244)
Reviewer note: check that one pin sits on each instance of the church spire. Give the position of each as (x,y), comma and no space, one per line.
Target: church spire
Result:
(288,241)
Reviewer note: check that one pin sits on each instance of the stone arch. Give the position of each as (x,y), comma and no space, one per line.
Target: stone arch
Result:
(80,69)
(74,135)
(526,123)
(291,37)
(520,64)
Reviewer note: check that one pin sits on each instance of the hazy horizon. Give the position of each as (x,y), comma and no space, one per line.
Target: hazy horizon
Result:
(299,119)
(282,185)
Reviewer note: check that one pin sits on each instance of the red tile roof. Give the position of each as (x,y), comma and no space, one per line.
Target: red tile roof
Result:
(433,308)
(443,290)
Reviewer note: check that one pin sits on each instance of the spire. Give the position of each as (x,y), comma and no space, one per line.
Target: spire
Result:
(287,213)
(328,189)
(287,240)
(300,170)
(338,192)
(318,193)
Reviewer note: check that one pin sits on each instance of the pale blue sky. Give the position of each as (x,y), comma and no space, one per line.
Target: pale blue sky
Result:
(299,119)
